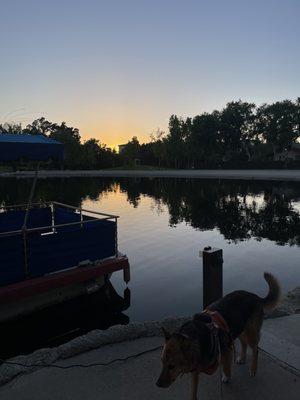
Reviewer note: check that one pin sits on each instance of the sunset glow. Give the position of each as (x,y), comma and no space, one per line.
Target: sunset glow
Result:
(120,69)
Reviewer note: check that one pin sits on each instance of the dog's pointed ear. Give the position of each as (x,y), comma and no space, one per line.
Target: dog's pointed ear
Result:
(166,334)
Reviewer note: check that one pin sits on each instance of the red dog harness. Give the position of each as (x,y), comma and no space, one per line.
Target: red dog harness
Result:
(217,323)
(219,336)
(217,319)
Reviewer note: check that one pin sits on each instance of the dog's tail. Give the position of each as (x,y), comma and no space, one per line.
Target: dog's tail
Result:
(273,298)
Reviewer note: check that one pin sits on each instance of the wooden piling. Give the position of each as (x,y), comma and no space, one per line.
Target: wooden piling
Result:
(212,275)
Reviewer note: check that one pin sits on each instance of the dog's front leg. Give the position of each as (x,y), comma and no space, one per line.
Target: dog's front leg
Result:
(226,361)
(194,388)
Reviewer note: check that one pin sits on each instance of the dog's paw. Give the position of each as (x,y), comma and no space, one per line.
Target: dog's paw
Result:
(225,379)
(241,360)
(252,373)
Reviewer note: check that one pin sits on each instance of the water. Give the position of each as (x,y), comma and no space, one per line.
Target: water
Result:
(63,322)
(165,222)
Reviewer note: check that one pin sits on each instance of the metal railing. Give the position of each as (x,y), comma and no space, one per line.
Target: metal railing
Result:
(53,227)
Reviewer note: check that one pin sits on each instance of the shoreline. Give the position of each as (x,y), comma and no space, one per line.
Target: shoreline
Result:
(134,331)
(285,350)
(251,174)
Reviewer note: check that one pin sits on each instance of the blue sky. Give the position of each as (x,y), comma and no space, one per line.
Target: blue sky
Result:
(120,68)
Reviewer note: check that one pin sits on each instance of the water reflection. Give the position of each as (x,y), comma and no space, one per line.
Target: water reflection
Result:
(69,190)
(240,210)
(61,323)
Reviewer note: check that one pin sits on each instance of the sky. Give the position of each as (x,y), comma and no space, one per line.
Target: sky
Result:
(119,68)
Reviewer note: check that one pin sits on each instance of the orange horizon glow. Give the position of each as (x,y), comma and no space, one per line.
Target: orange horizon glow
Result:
(114,135)
(108,130)
(106,139)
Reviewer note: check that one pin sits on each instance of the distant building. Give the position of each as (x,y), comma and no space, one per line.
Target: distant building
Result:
(121,148)
(292,152)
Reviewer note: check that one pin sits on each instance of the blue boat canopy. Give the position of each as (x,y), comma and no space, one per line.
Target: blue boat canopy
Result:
(14,147)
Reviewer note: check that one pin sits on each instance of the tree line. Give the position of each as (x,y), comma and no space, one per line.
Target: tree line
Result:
(240,134)
(89,154)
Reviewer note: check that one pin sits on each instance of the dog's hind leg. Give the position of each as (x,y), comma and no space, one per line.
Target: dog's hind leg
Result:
(242,358)
(226,361)
(253,343)
(194,388)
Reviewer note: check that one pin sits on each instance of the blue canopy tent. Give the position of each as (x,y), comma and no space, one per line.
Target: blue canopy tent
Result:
(38,239)
(14,147)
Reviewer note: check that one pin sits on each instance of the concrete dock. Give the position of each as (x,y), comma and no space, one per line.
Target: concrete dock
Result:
(277,378)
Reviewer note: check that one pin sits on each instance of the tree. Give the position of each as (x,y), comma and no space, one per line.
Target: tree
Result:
(131,151)
(70,137)
(67,135)
(10,128)
(91,153)
(175,140)
(278,124)
(40,126)
(158,145)
(237,127)
(202,141)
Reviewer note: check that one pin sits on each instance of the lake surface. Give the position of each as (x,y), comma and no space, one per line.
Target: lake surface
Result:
(164,223)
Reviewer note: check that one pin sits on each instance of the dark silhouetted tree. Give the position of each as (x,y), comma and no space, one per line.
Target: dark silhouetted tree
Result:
(278,124)
(131,151)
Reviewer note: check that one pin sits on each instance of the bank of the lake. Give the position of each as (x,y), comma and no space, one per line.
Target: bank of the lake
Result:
(279,340)
(251,174)
(278,367)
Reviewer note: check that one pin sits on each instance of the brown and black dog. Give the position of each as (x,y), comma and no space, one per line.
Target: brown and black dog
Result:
(200,343)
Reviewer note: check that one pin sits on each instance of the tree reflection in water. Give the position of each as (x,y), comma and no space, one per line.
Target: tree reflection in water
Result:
(238,209)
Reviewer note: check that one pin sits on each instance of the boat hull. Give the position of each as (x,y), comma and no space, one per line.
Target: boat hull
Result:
(34,294)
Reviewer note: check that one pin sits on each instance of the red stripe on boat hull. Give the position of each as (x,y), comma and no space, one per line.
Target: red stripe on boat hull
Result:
(35,286)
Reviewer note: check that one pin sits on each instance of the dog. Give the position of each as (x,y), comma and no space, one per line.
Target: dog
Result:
(207,340)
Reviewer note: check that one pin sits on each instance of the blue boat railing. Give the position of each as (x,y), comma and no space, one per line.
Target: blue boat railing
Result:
(67,238)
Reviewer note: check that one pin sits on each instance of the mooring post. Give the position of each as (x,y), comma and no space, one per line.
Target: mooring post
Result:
(212,274)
